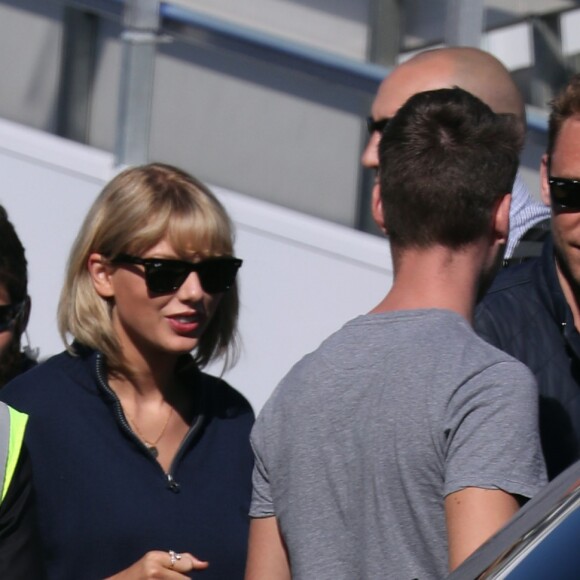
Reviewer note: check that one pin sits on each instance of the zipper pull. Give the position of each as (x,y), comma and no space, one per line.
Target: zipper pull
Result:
(172,484)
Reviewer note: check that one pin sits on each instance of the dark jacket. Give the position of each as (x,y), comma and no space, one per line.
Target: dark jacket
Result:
(526,315)
(104,501)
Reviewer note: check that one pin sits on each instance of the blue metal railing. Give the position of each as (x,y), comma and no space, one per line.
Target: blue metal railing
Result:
(215,32)
(267,47)
(537,119)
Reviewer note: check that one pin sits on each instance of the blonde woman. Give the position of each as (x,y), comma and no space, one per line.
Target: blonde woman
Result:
(142,461)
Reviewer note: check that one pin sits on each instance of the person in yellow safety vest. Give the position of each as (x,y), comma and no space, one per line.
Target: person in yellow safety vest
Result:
(20,551)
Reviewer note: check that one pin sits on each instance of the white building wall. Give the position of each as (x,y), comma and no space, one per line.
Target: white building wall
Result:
(302,277)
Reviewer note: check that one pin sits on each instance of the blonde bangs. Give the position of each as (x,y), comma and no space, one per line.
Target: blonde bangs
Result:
(191,219)
(200,234)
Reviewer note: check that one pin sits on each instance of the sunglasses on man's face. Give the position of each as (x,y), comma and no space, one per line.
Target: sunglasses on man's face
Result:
(373,126)
(565,193)
(162,276)
(8,314)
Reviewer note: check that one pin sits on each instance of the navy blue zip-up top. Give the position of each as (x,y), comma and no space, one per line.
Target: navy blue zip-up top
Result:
(526,314)
(104,501)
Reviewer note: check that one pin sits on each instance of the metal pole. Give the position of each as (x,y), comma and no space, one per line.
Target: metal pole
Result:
(77,74)
(385,31)
(550,72)
(141,21)
(464,23)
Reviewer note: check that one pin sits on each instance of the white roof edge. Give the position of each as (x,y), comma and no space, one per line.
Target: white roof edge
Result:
(58,152)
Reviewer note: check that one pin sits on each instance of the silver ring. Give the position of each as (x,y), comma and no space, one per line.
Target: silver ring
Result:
(173,558)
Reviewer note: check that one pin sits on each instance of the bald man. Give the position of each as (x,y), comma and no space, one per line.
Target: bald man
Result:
(484,76)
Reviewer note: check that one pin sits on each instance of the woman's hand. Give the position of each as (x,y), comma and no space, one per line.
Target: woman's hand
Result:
(161,565)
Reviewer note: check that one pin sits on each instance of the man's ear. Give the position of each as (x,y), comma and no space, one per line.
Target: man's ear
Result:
(544,174)
(377,208)
(100,272)
(501,218)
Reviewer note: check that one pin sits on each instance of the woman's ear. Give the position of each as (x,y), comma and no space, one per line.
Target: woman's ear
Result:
(100,271)
(377,208)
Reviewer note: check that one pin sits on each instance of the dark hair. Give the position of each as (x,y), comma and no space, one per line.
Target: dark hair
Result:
(445,160)
(565,105)
(13,265)
(14,278)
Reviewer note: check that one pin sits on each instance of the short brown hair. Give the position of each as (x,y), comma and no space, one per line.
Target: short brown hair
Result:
(445,160)
(135,211)
(565,105)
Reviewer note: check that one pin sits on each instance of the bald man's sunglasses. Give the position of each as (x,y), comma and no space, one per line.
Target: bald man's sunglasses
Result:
(373,126)
(162,276)
(565,193)
(8,314)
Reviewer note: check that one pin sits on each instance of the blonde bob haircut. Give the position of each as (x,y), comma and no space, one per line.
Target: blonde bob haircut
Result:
(140,207)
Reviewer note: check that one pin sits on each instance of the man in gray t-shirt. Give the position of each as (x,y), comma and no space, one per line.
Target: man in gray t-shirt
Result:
(404,441)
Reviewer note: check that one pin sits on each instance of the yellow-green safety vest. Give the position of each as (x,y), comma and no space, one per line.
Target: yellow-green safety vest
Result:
(12,427)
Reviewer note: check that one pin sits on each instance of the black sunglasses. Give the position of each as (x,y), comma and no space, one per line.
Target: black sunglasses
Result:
(565,193)
(162,276)
(379,125)
(8,314)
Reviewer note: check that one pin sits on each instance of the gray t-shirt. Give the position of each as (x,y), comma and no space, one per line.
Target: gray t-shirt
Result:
(360,443)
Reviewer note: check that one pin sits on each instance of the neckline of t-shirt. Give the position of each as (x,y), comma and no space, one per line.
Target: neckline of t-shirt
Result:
(408,314)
